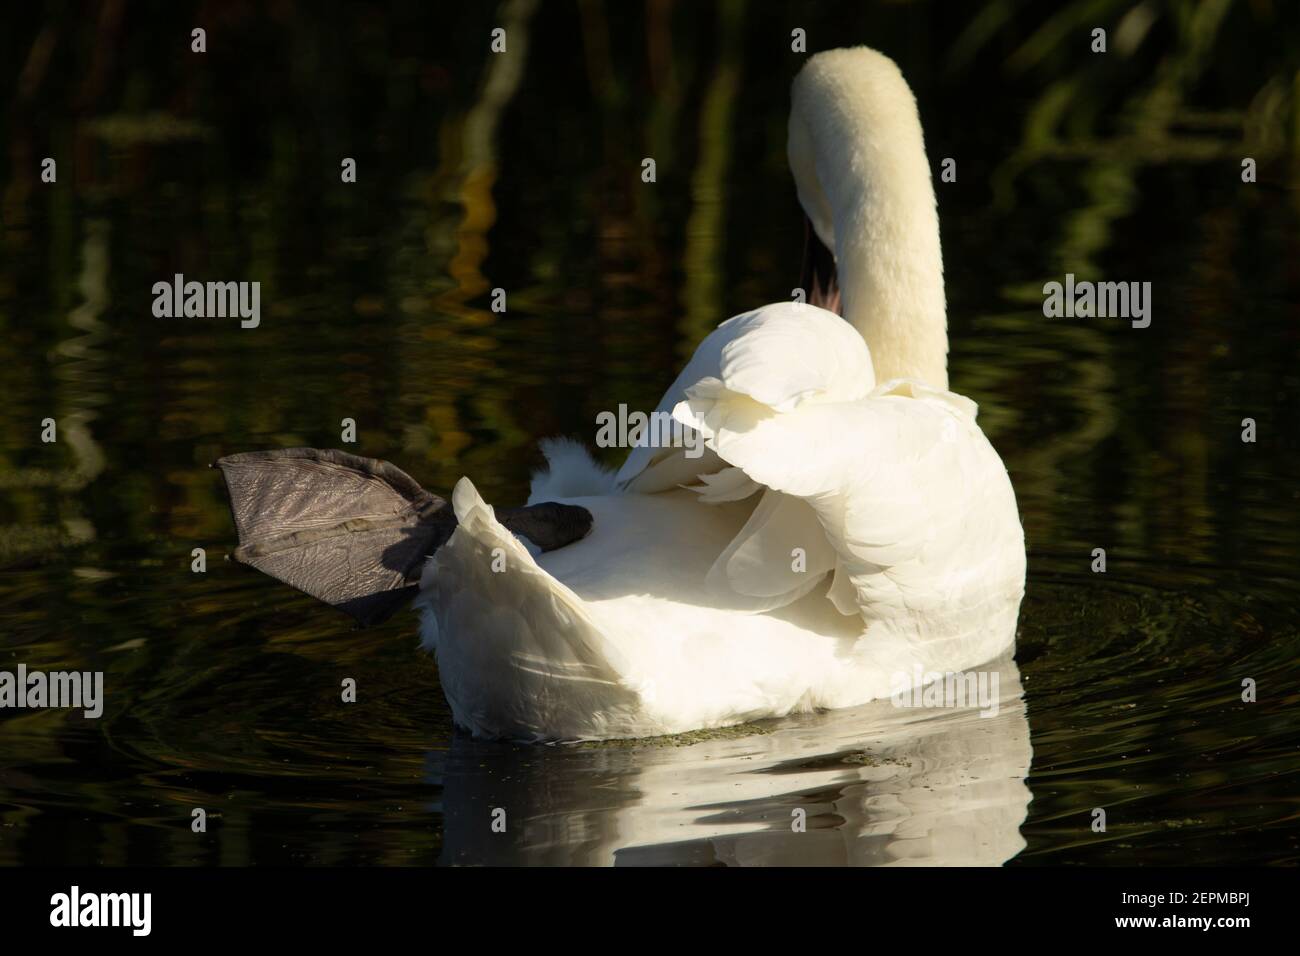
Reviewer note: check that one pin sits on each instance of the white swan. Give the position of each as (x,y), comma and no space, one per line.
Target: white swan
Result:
(848,526)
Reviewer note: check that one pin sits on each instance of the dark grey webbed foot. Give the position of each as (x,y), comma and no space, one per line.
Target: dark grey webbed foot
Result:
(355,532)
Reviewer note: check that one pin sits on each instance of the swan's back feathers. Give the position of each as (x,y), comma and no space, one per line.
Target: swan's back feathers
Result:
(570,472)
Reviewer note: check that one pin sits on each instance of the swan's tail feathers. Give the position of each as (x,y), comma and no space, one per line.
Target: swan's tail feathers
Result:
(519,655)
(354,532)
(350,531)
(570,472)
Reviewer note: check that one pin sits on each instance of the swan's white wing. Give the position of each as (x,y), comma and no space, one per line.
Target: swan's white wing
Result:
(911,497)
(914,513)
(774,560)
(789,353)
(729,484)
(782,355)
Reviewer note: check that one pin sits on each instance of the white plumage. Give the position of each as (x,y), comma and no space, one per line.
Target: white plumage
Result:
(836,533)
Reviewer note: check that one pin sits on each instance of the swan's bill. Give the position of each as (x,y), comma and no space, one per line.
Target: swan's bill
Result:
(818,278)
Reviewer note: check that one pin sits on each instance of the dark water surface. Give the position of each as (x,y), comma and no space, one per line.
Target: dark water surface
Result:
(523,172)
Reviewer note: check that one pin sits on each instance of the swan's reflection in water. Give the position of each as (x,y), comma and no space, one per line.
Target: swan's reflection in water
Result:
(879,785)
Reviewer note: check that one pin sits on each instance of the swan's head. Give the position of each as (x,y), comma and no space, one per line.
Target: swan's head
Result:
(858,158)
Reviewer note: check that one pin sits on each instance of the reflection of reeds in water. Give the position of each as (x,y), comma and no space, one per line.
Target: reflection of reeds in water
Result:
(80,376)
(1153,124)
(466,174)
(1154,127)
(706,272)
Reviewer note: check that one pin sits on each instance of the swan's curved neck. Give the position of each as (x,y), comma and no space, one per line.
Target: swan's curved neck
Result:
(858,158)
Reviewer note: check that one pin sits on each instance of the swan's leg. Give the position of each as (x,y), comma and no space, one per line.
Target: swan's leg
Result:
(355,532)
